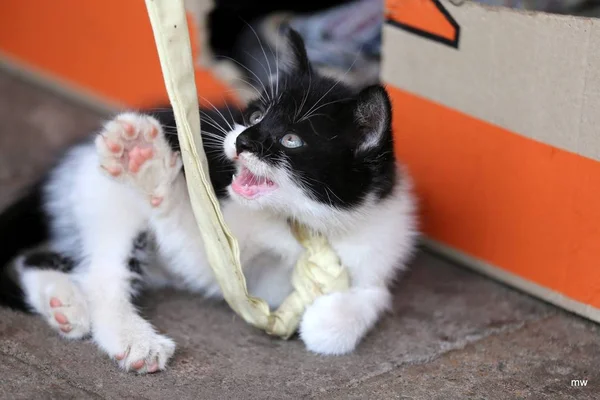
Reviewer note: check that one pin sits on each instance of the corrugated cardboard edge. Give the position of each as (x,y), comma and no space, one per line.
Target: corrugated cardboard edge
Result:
(57,85)
(513,280)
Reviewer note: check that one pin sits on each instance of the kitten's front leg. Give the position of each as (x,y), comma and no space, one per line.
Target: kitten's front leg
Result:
(335,323)
(132,150)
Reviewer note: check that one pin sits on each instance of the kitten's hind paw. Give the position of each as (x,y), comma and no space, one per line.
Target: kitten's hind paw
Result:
(56,297)
(69,316)
(133,147)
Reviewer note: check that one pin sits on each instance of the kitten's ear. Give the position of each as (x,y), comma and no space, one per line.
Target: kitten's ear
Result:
(373,114)
(297,58)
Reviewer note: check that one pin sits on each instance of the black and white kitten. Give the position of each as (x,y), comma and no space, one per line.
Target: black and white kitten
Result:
(117,214)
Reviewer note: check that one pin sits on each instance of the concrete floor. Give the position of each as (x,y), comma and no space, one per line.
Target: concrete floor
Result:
(452,334)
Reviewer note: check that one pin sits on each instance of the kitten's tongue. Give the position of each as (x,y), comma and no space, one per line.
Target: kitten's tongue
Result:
(250,186)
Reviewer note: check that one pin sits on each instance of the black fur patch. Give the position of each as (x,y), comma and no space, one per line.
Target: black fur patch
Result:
(135,266)
(23,224)
(141,242)
(138,260)
(49,260)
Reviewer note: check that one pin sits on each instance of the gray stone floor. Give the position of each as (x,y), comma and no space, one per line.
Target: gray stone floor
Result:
(452,334)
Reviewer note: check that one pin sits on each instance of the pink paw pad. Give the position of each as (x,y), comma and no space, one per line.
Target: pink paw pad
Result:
(138,156)
(55,302)
(113,146)
(153,367)
(129,129)
(156,201)
(61,318)
(138,364)
(113,170)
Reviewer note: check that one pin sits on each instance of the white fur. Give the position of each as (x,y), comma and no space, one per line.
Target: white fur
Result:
(99,216)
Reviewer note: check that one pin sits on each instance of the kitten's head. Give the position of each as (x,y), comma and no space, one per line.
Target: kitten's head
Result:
(311,147)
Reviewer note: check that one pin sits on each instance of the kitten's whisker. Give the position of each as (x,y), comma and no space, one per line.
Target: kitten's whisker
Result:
(305,96)
(217,139)
(260,95)
(320,115)
(271,96)
(204,133)
(328,198)
(333,86)
(243,116)
(277,64)
(308,115)
(213,124)
(212,148)
(312,127)
(219,112)
(213,145)
(215,150)
(270,73)
(211,121)
(327,188)
(229,109)
(295,108)
(249,70)
(304,179)
(206,115)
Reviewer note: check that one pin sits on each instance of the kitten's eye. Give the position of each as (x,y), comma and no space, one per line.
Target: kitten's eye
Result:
(291,141)
(256,117)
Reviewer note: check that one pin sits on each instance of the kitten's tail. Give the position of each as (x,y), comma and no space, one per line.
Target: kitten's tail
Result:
(22,225)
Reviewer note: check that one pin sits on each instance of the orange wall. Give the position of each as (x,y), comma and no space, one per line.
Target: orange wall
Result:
(104,46)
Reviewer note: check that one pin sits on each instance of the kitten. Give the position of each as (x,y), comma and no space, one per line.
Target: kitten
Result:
(117,215)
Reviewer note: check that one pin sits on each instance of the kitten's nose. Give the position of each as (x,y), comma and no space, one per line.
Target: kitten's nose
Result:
(244,143)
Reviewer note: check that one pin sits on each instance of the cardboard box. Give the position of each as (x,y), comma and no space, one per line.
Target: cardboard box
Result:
(497,116)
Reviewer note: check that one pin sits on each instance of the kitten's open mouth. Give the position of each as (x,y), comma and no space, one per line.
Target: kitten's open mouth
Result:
(251,186)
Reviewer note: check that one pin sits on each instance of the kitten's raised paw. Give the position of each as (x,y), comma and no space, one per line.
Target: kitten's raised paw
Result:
(133,147)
